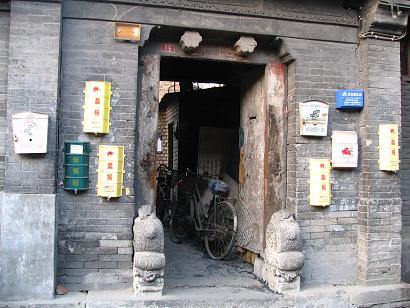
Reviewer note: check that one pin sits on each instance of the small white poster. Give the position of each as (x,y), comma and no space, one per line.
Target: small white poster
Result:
(76,149)
(313,118)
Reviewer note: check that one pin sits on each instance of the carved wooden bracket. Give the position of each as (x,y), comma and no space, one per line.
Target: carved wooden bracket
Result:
(384,19)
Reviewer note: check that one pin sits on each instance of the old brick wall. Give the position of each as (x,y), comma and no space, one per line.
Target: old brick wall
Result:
(330,233)
(405,177)
(4,60)
(28,201)
(95,236)
(33,86)
(379,207)
(162,158)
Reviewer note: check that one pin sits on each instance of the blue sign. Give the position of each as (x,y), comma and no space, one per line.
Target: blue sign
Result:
(349,99)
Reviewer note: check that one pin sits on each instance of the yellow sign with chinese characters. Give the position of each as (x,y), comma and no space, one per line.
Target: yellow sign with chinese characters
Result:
(389,147)
(320,190)
(97,107)
(110,171)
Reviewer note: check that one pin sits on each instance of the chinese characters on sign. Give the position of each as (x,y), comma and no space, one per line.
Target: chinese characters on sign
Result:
(97,107)
(320,190)
(110,171)
(313,118)
(349,99)
(389,147)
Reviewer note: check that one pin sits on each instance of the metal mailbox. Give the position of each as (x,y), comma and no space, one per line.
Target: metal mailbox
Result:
(320,189)
(313,118)
(97,107)
(344,149)
(30,131)
(76,165)
(110,171)
(389,147)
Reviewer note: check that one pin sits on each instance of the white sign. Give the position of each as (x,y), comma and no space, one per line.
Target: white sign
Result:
(30,132)
(313,118)
(76,149)
(344,149)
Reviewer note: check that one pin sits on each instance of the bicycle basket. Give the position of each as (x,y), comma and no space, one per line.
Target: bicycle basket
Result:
(218,186)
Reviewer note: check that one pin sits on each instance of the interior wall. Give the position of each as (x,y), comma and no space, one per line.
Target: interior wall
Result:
(215,107)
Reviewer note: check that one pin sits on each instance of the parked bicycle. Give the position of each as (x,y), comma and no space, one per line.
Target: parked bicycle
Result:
(166,181)
(217,221)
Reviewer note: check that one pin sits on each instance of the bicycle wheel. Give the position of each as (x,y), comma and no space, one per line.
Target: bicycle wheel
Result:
(222,227)
(178,225)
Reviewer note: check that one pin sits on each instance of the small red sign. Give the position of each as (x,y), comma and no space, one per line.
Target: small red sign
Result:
(96,112)
(323,187)
(109,177)
(323,177)
(97,100)
(109,165)
(168,47)
(110,153)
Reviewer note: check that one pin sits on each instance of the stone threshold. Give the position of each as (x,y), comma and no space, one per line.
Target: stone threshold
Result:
(395,295)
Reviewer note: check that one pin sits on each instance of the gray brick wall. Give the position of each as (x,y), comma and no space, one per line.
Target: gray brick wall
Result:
(33,86)
(330,233)
(95,236)
(379,208)
(405,177)
(4,51)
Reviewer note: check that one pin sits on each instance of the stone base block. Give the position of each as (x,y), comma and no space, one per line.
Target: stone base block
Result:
(155,286)
(275,283)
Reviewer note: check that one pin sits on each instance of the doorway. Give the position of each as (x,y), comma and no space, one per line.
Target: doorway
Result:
(227,119)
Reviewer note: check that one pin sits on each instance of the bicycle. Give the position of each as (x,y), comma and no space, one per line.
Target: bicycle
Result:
(219,223)
(166,180)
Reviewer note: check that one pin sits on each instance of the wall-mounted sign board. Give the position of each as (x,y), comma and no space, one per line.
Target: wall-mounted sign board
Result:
(97,107)
(313,118)
(344,149)
(127,31)
(349,99)
(389,147)
(30,131)
(319,174)
(110,171)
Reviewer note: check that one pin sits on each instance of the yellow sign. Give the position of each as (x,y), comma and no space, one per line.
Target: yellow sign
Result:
(127,31)
(389,147)
(97,107)
(320,189)
(110,171)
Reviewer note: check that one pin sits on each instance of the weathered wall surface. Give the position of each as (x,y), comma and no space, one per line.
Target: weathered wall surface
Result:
(95,236)
(34,52)
(4,61)
(405,177)
(379,206)
(28,203)
(27,243)
(252,158)
(330,233)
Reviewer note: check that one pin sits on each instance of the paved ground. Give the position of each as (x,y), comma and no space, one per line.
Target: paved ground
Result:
(189,266)
(194,280)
